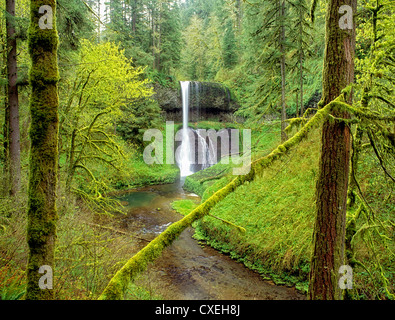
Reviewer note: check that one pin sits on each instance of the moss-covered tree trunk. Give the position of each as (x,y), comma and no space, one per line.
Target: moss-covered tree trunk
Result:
(331,190)
(13,134)
(44,77)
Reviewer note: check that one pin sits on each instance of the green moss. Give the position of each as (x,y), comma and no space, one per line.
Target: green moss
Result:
(184,206)
(138,263)
(42,214)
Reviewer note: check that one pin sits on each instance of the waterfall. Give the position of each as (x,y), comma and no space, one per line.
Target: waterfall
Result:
(206,152)
(194,141)
(185,154)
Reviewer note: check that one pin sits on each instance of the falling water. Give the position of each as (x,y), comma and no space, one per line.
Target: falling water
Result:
(207,154)
(185,154)
(193,140)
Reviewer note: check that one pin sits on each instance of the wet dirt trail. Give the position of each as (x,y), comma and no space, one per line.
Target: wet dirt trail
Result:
(188,270)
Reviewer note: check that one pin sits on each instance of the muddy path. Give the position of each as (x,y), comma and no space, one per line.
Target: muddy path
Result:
(188,270)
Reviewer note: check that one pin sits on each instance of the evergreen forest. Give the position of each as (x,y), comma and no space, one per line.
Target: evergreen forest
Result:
(287,106)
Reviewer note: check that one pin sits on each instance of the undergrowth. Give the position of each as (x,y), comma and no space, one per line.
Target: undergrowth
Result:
(90,248)
(277,210)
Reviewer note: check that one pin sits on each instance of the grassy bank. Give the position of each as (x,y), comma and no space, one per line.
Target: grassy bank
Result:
(277,210)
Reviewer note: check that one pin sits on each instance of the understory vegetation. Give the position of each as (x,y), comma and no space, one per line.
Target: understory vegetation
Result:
(77,99)
(277,211)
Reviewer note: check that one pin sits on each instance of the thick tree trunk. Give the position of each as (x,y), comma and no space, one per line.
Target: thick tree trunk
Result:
(14,153)
(139,262)
(331,190)
(44,101)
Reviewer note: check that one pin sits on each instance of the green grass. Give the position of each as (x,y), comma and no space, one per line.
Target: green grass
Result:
(142,174)
(184,206)
(277,210)
(134,172)
(202,180)
(204,183)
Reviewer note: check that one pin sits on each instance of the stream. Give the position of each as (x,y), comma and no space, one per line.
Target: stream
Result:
(188,270)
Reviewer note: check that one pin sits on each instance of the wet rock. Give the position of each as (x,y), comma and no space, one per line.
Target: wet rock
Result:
(208,101)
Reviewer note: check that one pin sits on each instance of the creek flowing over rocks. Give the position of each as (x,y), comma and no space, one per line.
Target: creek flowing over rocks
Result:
(189,270)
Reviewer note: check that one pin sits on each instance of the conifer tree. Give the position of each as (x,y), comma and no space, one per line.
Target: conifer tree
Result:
(12,112)
(332,183)
(301,39)
(229,45)
(272,33)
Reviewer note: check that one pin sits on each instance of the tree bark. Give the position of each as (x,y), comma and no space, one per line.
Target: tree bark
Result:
(331,188)
(301,56)
(98,22)
(134,16)
(159,28)
(282,66)
(5,156)
(239,16)
(297,104)
(139,262)
(153,42)
(301,83)
(44,104)
(14,152)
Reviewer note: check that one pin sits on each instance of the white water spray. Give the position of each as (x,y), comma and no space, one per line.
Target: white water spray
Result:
(206,152)
(185,154)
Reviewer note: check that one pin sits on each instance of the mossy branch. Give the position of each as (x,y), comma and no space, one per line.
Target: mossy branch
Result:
(217,176)
(241,229)
(139,262)
(376,151)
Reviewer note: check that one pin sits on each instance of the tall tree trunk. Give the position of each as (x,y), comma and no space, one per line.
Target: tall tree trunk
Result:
(301,83)
(5,155)
(98,22)
(134,16)
(282,65)
(301,56)
(331,189)
(153,38)
(239,16)
(158,49)
(297,104)
(44,104)
(14,153)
